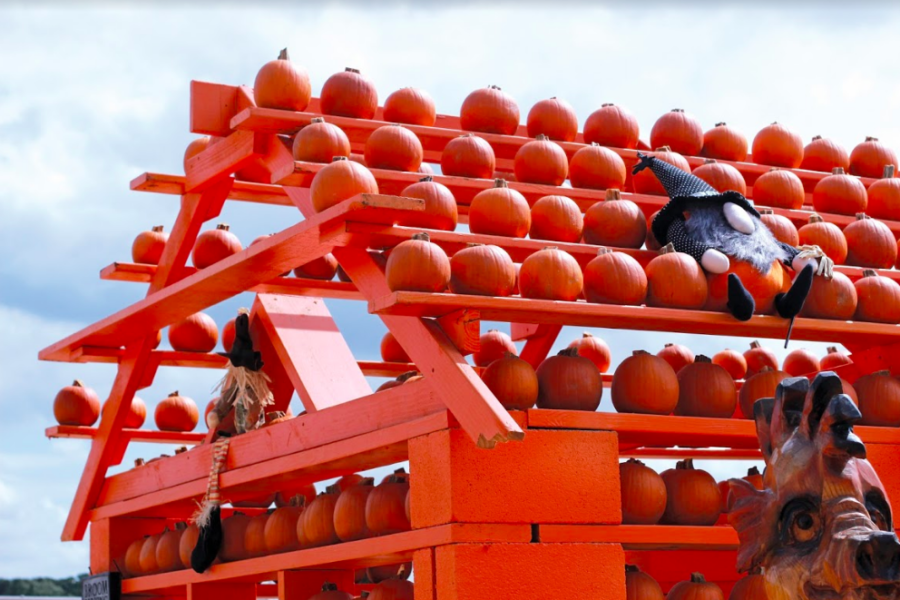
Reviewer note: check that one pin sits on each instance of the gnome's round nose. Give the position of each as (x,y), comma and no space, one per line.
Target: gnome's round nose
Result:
(878,558)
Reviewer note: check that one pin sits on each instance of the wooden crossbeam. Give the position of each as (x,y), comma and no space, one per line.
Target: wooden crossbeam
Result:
(135,435)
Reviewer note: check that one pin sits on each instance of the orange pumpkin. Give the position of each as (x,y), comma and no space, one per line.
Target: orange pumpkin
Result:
(733,362)
(676,355)
(512,381)
(568,381)
(282,84)
(315,527)
(834,359)
(697,588)
(482,270)
(228,333)
(196,147)
(196,333)
(338,181)
(724,143)
(417,265)
(751,587)
(133,557)
(640,586)
(394,147)
(187,543)
(233,530)
(833,298)
(676,280)
(227,424)
(391,350)
(76,405)
(645,182)
(349,94)
(396,571)
(826,236)
(879,399)
(778,146)
(614,278)
(884,196)
(386,505)
(320,142)
(760,385)
(870,243)
(392,589)
(323,269)
(758,357)
(869,158)
(330,591)
(280,532)
(214,245)
(557,219)
(541,161)
(779,189)
(643,493)
(489,110)
(554,118)
(410,105)
(721,176)
(801,362)
(176,413)
(148,554)
(440,206)
(763,287)
(644,384)
(551,274)
(878,299)
(781,227)
(613,126)
(692,496)
(468,156)
(500,211)
(594,349)
(840,194)
(705,390)
(824,155)
(678,130)
(493,345)
(137,414)
(615,222)
(651,243)
(307,490)
(148,246)
(597,168)
(167,550)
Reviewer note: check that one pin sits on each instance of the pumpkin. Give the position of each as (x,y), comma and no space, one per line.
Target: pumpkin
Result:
(176,413)
(613,126)
(393,147)
(597,168)
(315,527)
(489,110)
(410,105)
(167,550)
(801,362)
(833,298)
(500,211)
(724,143)
(493,345)
(385,506)
(280,532)
(137,414)
(869,158)
(482,270)
(615,222)
(696,588)
(760,385)
(733,362)
(675,280)
(780,189)
(417,265)
(643,493)
(645,182)
(870,243)
(824,155)
(758,357)
(692,496)
(755,477)
(644,384)
(382,572)
(76,405)
(214,245)
(307,490)
(148,554)
(391,350)
(282,84)
(541,161)
(323,268)
(678,130)
(196,147)
(392,589)
(751,587)
(349,94)
(330,592)
(614,278)
(320,142)
(834,359)
(705,390)
(594,349)
(840,194)
(350,511)
(133,557)
(676,355)
(554,118)
(338,181)
(568,381)
(778,146)
(879,399)
(551,274)
(512,381)
(721,176)
(884,196)
(196,333)
(848,389)
(557,219)
(651,243)
(148,246)
(233,530)
(187,543)
(440,206)
(468,156)
(763,287)
(781,227)
(640,586)
(878,299)
(826,236)
(228,333)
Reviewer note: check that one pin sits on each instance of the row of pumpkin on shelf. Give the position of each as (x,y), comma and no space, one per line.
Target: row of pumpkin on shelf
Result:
(282,85)
(642,586)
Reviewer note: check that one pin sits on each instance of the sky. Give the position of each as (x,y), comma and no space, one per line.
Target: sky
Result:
(93,96)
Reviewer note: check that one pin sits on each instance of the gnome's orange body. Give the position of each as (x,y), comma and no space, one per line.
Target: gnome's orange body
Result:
(763,287)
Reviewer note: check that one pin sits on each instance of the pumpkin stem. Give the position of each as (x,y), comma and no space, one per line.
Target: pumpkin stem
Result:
(709,161)
(283,55)
(332,489)
(869,273)
(667,249)
(366,481)
(869,138)
(700,358)
(571,352)
(317,120)
(595,144)
(329,587)
(752,471)
(402,378)
(814,218)
(765,369)
(605,104)
(427,178)
(632,569)
(159,228)
(400,471)
(549,248)
(721,124)
(494,87)
(755,344)
(862,217)
(817,137)
(275,414)
(173,394)
(698,578)
(888,172)
(473,244)
(509,354)
(603,251)
(500,183)
(613,194)
(586,334)
(883,373)
(678,110)
(351,70)
(639,353)
(223,226)
(663,149)
(767,211)
(298,501)
(338,158)
(139,462)
(832,349)
(837,171)
(685,465)
(77,383)
(634,461)
(421,236)
(181,525)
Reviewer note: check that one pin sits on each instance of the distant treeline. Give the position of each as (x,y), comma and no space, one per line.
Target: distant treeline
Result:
(42,586)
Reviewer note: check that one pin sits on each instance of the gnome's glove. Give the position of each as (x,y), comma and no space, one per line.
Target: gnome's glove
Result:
(738,218)
(714,262)
(814,255)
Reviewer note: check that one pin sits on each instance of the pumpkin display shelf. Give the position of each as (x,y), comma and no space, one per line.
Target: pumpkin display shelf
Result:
(478,521)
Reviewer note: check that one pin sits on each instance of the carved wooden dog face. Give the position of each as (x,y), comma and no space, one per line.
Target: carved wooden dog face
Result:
(822,529)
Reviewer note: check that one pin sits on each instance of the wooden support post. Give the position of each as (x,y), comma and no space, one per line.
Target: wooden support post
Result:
(423,567)
(539,344)
(110,539)
(222,590)
(299,585)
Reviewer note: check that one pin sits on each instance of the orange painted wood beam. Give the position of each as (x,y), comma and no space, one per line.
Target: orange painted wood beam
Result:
(135,435)
(704,453)
(247,191)
(645,537)
(539,344)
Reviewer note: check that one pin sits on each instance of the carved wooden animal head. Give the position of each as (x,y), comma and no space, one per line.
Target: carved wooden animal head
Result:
(822,529)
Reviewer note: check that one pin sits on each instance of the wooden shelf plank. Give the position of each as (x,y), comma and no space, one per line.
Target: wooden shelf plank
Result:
(247,191)
(135,435)
(645,537)
(699,453)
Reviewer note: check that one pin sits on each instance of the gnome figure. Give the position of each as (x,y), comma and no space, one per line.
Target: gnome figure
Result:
(724,233)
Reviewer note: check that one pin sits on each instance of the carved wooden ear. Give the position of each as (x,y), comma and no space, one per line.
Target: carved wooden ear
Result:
(824,387)
(762,413)
(790,396)
(838,420)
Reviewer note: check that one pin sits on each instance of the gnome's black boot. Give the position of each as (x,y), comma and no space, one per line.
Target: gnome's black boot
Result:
(740,302)
(208,543)
(789,304)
